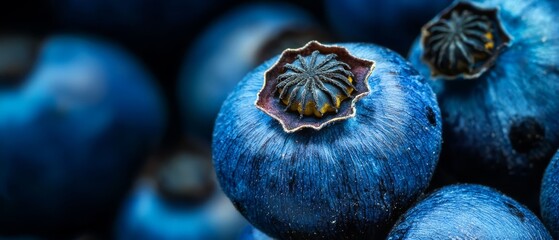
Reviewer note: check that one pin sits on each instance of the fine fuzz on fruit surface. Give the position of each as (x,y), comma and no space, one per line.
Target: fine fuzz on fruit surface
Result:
(468,212)
(495,73)
(348,180)
(549,198)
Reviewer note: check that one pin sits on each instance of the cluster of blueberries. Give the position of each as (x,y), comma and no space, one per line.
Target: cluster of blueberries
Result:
(288,130)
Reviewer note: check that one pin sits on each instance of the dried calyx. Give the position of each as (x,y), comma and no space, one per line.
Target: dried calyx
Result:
(464,41)
(313,86)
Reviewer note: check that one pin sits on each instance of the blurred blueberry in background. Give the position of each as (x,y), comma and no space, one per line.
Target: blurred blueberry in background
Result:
(391,23)
(180,202)
(230,48)
(158,31)
(74,127)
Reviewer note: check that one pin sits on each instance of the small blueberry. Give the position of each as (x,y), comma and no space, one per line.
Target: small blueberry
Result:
(468,212)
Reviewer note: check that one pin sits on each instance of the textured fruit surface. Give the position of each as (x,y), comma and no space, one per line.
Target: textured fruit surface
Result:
(350,179)
(468,212)
(501,128)
(73,134)
(549,199)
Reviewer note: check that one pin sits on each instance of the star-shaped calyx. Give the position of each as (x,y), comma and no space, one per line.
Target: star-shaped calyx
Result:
(463,41)
(313,86)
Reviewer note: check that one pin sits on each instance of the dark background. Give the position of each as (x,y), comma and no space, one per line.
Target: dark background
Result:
(162,55)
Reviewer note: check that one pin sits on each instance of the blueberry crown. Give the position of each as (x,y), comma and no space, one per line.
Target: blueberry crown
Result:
(313,86)
(316,84)
(463,41)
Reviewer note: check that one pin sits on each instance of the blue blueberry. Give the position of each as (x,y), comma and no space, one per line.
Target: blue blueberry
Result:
(468,212)
(178,204)
(549,198)
(229,49)
(497,90)
(331,149)
(393,24)
(73,131)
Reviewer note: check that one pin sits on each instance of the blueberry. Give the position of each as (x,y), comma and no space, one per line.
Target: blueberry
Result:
(468,212)
(72,132)
(179,203)
(229,49)
(549,198)
(496,85)
(339,143)
(393,24)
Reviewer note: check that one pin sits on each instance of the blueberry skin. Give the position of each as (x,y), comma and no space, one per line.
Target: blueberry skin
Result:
(393,24)
(225,53)
(346,181)
(73,135)
(468,211)
(501,129)
(148,215)
(549,198)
